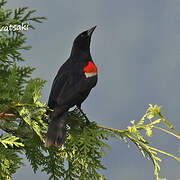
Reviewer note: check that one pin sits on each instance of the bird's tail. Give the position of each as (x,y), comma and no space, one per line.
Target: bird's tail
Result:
(56,134)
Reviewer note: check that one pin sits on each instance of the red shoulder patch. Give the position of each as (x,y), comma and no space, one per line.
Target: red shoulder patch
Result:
(90,68)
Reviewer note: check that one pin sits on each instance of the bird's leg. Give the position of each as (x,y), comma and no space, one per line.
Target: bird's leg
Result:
(87,120)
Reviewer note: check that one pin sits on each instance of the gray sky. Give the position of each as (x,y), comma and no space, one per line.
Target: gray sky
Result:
(136,47)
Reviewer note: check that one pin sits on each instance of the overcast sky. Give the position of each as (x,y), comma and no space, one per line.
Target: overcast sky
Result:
(136,47)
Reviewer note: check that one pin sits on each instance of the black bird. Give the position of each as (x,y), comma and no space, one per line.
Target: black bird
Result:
(71,86)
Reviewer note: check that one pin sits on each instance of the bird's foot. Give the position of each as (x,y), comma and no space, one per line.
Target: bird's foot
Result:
(86,118)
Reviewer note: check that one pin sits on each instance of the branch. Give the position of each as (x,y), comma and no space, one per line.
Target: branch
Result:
(125,132)
(113,130)
(5,111)
(166,131)
(7,115)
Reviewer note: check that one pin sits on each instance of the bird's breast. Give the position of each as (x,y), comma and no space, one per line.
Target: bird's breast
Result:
(90,70)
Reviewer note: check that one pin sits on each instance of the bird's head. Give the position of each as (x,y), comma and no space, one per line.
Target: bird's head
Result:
(83,40)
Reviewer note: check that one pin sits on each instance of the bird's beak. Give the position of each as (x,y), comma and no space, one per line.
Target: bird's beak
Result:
(90,31)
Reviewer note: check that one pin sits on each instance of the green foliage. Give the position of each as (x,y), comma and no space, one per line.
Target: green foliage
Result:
(10,161)
(10,140)
(23,119)
(152,119)
(16,88)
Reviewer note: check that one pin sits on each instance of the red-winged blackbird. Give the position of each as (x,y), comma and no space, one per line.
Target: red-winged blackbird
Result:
(71,86)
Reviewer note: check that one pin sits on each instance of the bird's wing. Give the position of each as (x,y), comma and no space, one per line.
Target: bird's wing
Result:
(76,90)
(70,88)
(57,86)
